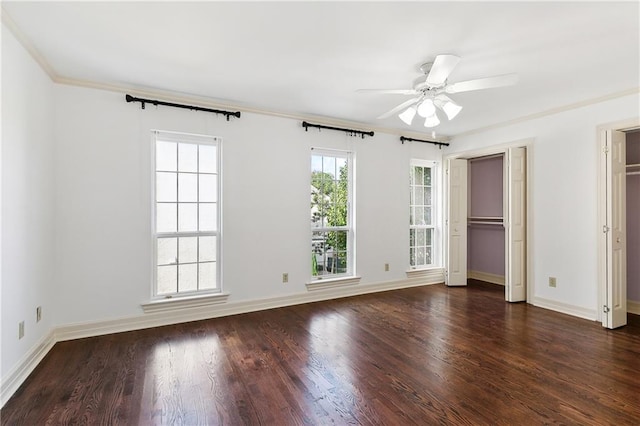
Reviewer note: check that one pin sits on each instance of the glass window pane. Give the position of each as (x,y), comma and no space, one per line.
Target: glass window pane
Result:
(412,215)
(417,175)
(166,186)
(187,217)
(412,257)
(167,251)
(419,216)
(207,159)
(187,277)
(419,196)
(427,176)
(208,217)
(420,234)
(412,237)
(329,166)
(316,163)
(166,156)
(427,216)
(166,217)
(427,196)
(207,250)
(208,188)
(429,236)
(187,157)
(341,167)
(187,187)
(207,275)
(420,252)
(428,259)
(167,279)
(188,249)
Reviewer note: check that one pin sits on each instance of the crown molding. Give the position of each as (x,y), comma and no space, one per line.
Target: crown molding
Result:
(568,107)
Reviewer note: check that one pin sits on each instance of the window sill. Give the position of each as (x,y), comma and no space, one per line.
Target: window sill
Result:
(179,303)
(435,272)
(322,284)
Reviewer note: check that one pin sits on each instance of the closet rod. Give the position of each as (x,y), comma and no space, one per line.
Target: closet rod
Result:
(633,173)
(480,222)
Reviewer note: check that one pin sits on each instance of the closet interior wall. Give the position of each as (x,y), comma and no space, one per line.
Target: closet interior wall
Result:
(486,234)
(633,217)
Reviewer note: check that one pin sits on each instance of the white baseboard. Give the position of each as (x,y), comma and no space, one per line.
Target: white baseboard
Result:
(486,277)
(633,307)
(27,364)
(96,328)
(565,308)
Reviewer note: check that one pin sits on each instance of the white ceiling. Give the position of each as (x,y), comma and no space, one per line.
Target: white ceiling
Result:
(308,58)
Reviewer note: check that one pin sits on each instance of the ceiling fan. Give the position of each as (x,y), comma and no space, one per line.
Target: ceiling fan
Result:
(430,91)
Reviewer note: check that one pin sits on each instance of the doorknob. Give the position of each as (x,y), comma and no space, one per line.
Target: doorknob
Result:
(618,240)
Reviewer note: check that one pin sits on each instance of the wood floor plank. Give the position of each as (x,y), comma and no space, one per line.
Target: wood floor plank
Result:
(426,355)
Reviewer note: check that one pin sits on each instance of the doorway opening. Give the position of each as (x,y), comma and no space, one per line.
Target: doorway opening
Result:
(486,219)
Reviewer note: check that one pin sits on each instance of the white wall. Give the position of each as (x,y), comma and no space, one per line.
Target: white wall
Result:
(564,196)
(103,245)
(28,189)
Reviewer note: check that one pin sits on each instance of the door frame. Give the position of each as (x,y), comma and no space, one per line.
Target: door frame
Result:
(601,131)
(528,144)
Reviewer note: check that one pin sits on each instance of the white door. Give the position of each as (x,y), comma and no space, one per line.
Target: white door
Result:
(457,223)
(615,230)
(515,225)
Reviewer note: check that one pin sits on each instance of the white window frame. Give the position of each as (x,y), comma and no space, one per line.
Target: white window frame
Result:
(185,138)
(435,214)
(350,227)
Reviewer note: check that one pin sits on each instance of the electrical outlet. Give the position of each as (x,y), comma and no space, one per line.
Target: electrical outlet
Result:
(386,267)
(21,330)
(285,277)
(38,313)
(552,281)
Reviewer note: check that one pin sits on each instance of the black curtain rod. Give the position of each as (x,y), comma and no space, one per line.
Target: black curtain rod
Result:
(440,144)
(142,101)
(351,131)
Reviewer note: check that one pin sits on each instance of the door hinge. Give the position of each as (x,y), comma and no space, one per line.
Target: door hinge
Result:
(605,228)
(606,309)
(605,149)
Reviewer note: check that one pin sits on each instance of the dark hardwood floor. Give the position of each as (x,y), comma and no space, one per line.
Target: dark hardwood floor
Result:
(427,355)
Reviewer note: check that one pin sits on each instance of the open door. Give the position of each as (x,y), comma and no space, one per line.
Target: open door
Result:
(456,274)
(515,225)
(615,308)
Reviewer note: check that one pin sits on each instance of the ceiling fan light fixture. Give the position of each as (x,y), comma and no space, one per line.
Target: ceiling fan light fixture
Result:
(426,108)
(451,109)
(407,115)
(432,120)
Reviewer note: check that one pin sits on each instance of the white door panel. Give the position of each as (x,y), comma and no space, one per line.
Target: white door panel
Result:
(515,225)
(457,223)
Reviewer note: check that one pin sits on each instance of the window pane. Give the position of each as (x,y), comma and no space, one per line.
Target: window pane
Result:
(420,234)
(188,277)
(412,237)
(207,251)
(341,167)
(316,163)
(167,279)
(329,166)
(427,196)
(427,175)
(208,217)
(412,256)
(188,249)
(166,217)
(166,156)
(208,188)
(419,196)
(420,252)
(188,217)
(419,216)
(208,161)
(428,260)
(417,175)
(187,157)
(207,275)
(427,216)
(429,236)
(166,186)
(167,250)
(187,187)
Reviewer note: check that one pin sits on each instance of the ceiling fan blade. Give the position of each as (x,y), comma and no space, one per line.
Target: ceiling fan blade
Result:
(389,91)
(441,68)
(400,107)
(482,83)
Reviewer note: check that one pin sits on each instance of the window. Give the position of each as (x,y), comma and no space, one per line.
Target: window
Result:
(422,215)
(331,214)
(186,211)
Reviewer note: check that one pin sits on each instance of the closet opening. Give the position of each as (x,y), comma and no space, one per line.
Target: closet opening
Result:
(632,172)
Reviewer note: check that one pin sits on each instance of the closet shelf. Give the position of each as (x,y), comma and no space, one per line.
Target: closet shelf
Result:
(485,220)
